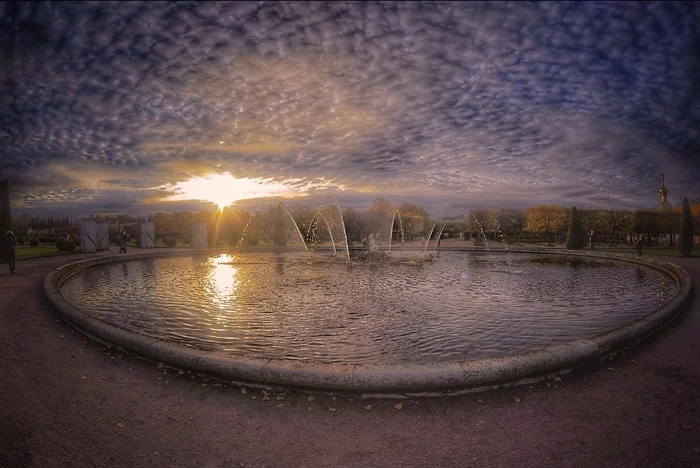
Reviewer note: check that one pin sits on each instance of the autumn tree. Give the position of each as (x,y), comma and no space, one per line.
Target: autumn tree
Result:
(322,225)
(695,212)
(353,225)
(479,222)
(508,222)
(591,220)
(415,218)
(548,219)
(303,217)
(668,223)
(233,221)
(645,222)
(379,217)
(609,223)
(381,205)
(616,222)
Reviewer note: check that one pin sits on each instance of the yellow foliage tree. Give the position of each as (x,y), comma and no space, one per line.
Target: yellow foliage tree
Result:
(548,219)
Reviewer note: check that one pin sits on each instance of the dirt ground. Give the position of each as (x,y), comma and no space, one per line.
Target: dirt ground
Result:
(67,401)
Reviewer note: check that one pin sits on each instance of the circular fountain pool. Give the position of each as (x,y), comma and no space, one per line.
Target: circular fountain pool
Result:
(466,306)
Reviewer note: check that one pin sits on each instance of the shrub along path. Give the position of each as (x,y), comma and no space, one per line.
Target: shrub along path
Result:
(66,401)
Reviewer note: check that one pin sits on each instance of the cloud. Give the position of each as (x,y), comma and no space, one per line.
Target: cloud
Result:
(519,103)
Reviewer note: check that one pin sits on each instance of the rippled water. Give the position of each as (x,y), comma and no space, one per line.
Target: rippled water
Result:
(466,305)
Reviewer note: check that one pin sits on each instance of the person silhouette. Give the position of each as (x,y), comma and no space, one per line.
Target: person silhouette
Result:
(8,249)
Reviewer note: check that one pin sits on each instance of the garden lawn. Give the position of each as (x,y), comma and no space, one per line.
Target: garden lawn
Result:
(25,252)
(656,250)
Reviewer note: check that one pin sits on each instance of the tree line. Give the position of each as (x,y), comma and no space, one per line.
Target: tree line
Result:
(272,223)
(283,224)
(550,223)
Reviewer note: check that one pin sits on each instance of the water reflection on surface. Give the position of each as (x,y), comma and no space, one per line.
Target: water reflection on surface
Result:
(466,305)
(222,284)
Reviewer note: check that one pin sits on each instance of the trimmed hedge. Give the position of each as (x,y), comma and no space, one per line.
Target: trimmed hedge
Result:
(575,237)
(34,242)
(685,240)
(65,244)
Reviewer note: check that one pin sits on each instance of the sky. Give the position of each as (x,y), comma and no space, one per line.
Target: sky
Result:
(132,107)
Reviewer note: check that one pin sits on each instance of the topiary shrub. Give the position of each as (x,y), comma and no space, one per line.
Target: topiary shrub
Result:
(65,244)
(253,240)
(575,237)
(170,241)
(186,240)
(34,242)
(685,240)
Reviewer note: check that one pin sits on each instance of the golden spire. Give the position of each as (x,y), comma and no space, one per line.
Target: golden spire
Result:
(663,191)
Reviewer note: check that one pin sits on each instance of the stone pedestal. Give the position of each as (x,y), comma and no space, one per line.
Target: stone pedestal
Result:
(88,236)
(102,233)
(148,235)
(199,236)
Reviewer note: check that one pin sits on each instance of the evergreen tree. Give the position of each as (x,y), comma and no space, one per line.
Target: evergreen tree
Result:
(575,238)
(685,240)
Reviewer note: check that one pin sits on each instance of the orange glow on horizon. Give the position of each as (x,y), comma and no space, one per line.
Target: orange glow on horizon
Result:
(224,189)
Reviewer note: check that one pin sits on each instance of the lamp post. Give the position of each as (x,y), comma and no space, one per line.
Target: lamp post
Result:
(591,236)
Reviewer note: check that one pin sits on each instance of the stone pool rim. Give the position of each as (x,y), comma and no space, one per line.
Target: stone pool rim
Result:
(413,378)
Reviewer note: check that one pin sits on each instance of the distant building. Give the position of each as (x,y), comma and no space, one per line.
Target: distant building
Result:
(663,192)
(665,207)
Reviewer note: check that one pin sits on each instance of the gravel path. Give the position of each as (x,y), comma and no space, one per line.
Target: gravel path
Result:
(68,401)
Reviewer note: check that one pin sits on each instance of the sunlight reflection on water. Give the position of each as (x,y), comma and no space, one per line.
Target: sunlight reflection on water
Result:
(222,284)
(464,306)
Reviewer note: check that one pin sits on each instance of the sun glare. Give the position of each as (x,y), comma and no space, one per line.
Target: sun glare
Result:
(224,189)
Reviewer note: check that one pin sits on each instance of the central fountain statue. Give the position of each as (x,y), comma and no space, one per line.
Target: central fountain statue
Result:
(373,246)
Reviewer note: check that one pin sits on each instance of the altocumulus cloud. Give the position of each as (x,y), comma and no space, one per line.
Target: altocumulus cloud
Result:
(110,107)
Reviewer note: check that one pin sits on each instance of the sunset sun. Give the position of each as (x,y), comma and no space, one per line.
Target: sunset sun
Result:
(224,189)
